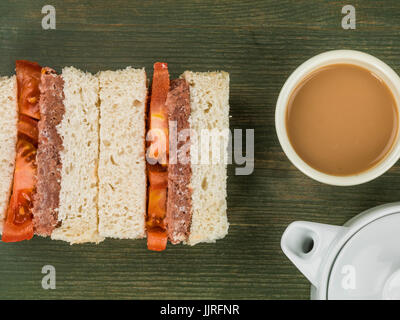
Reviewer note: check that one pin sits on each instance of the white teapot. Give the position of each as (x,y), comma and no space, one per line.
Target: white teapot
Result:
(360,260)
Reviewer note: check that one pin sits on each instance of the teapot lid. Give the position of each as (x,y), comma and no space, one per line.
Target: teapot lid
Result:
(368,265)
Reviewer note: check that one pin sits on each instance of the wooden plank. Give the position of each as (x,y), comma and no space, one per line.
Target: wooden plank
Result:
(259,43)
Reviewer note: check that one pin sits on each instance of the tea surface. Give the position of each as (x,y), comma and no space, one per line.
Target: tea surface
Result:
(342,119)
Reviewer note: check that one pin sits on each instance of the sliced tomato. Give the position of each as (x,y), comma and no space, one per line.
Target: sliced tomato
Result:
(28,80)
(158,116)
(28,129)
(25,166)
(156,240)
(18,224)
(157,205)
(23,210)
(14,231)
(159,87)
(158,150)
(158,179)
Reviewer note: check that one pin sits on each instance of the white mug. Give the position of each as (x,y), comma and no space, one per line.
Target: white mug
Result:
(376,66)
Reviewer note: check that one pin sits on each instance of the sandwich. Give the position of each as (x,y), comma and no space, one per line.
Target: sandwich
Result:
(52,140)
(187,198)
(75,165)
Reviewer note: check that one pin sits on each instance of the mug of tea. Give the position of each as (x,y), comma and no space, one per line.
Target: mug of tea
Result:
(337,117)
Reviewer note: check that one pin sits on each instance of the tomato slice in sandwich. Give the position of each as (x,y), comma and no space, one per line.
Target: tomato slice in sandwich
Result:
(158,179)
(156,239)
(158,150)
(157,206)
(18,223)
(28,129)
(28,80)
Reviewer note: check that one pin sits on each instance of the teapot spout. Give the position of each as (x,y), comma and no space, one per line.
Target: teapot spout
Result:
(306,244)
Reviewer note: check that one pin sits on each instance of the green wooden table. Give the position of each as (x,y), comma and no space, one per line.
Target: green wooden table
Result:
(259,43)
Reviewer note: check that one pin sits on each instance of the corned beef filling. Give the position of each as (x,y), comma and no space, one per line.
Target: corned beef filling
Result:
(46,200)
(179,204)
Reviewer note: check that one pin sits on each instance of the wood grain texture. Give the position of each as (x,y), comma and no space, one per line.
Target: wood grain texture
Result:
(259,43)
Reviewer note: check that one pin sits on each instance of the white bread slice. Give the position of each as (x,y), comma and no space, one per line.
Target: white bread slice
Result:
(209,99)
(122,166)
(79,131)
(8,139)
